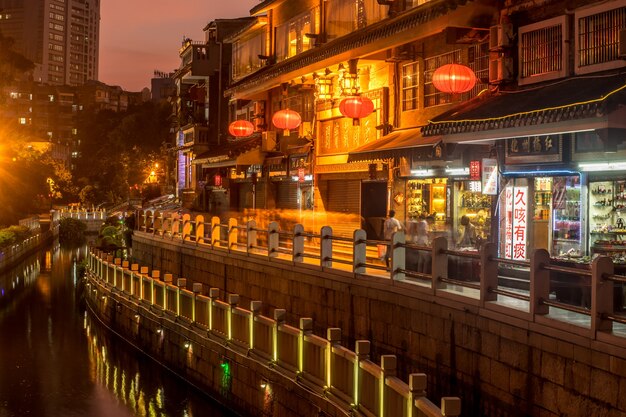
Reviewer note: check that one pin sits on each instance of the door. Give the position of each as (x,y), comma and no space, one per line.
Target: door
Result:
(373,208)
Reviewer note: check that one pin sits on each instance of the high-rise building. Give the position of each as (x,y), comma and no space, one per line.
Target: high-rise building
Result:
(60,36)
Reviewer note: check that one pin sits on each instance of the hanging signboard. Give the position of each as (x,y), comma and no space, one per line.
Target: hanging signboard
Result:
(474,170)
(508,223)
(520,224)
(530,149)
(490,176)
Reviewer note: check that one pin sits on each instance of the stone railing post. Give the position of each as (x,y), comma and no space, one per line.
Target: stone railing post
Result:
(180,283)
(214,295)
(398,256)
(197,290)
(273,239)
(175,230)
(539,282)
(168,279)
(280,316)
(362,350)
(298,243)
(134,269)
(488,272)
(417,388)
(601,294)
(251,236)
(157,223)
(306,328)
(388,364)
(156,274)
(233,301)
(359,251)
(143,272)
(326,247)
(216,231)
(187,227)
(333,335)
(233,232)
(451,406)
(439,262)
(255,309)
(199,228)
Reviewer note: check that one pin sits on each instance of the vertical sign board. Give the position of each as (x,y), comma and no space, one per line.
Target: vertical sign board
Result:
(508,222)
(490,176)
(520,224)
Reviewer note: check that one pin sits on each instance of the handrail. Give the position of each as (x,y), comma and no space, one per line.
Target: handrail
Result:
(463,254)
(506,261)
(511,294)
(459,282)
(565,306)
(567,270)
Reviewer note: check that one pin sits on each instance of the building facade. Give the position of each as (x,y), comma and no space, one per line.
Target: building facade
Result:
(60,36)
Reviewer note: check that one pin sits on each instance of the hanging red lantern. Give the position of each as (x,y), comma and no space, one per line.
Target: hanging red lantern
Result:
(356,108)
(286,119)
(241,128)
(454,79)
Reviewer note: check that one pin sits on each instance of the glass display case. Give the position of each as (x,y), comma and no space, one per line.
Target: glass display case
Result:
(607,214)
(566,236)
(472,203)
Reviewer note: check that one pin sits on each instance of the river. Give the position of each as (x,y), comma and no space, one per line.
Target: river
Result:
(56,360)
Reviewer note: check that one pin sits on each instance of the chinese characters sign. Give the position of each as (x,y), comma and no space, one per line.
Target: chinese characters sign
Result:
(526,149)
(516,222)
(490,176)
(474,170)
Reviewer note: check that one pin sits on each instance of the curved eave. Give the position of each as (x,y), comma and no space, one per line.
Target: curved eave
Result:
(418,23)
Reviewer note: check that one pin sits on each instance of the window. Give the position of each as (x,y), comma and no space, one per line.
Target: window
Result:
(542,51)
(597,38)
(22,120)
(432,96)
(246,55)
(344,16)
(410,86)
(291,36)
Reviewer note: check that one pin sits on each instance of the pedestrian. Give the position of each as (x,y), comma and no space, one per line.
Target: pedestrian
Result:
(391,226)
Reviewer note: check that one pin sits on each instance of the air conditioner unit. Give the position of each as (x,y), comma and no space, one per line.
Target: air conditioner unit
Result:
(500,36)
(622,44)
(500,69)
(268,141)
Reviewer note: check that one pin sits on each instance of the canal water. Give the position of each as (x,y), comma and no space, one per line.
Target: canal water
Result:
(56,360)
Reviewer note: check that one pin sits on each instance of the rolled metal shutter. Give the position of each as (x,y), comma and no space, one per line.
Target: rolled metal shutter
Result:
(344,197)
(245,195)
(287,196)
(261,195)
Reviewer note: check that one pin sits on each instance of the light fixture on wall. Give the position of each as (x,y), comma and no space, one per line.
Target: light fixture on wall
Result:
(323,87)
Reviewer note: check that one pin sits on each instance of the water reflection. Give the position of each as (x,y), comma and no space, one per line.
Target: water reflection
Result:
(56,362)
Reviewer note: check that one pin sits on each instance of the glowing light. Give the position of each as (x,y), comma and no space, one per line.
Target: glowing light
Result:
(454,79)
(286,119)
(241,128)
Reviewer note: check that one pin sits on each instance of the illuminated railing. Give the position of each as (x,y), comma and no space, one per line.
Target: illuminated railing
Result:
(82,214)
(478,278)
(13,253)
(295,352)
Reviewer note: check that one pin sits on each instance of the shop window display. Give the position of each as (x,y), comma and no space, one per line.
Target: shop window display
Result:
(607,213)
(476,206)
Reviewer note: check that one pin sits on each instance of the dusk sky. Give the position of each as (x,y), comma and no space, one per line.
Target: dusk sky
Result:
(139,36)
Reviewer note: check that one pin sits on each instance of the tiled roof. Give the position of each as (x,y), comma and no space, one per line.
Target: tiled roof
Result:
(230,150)
(569,99)
(383,29)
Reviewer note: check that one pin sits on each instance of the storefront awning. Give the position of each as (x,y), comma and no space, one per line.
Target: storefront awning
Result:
(233,153)
(396,144)
(571,105)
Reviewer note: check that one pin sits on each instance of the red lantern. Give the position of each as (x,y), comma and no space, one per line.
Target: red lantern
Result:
(356,108)
(241,128)
(286,119)
(454,79)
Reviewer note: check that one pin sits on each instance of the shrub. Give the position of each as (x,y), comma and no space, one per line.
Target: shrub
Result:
(71,230)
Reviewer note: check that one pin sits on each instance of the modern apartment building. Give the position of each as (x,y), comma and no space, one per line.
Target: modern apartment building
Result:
(60,36)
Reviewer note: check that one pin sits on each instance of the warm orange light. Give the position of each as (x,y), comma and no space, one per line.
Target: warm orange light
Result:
(454,79)
(241,128)
(286,119)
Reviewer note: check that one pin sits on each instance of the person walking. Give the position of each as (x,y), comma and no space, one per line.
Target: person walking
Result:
(391,226)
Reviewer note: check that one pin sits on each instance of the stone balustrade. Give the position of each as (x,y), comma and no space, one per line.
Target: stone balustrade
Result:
(344,379)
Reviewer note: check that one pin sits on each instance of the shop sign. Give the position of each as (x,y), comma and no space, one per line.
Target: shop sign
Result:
(300,174)
(474,170)
(528,149)
(516,222)
(217,180)
(490,176)
(558,193)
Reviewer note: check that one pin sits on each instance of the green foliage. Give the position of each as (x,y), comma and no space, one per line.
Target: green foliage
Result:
(12,63)
(12,235)
(71,230)
(110,237)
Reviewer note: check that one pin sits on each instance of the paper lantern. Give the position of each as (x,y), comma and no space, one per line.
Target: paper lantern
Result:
(241,128)
(356,108)
(454,79)
(286,119)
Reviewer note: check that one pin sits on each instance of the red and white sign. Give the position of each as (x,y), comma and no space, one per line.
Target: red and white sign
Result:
(520,222)
(301,176)
(474,170)
(490,176)
(217,180)
(508,223)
